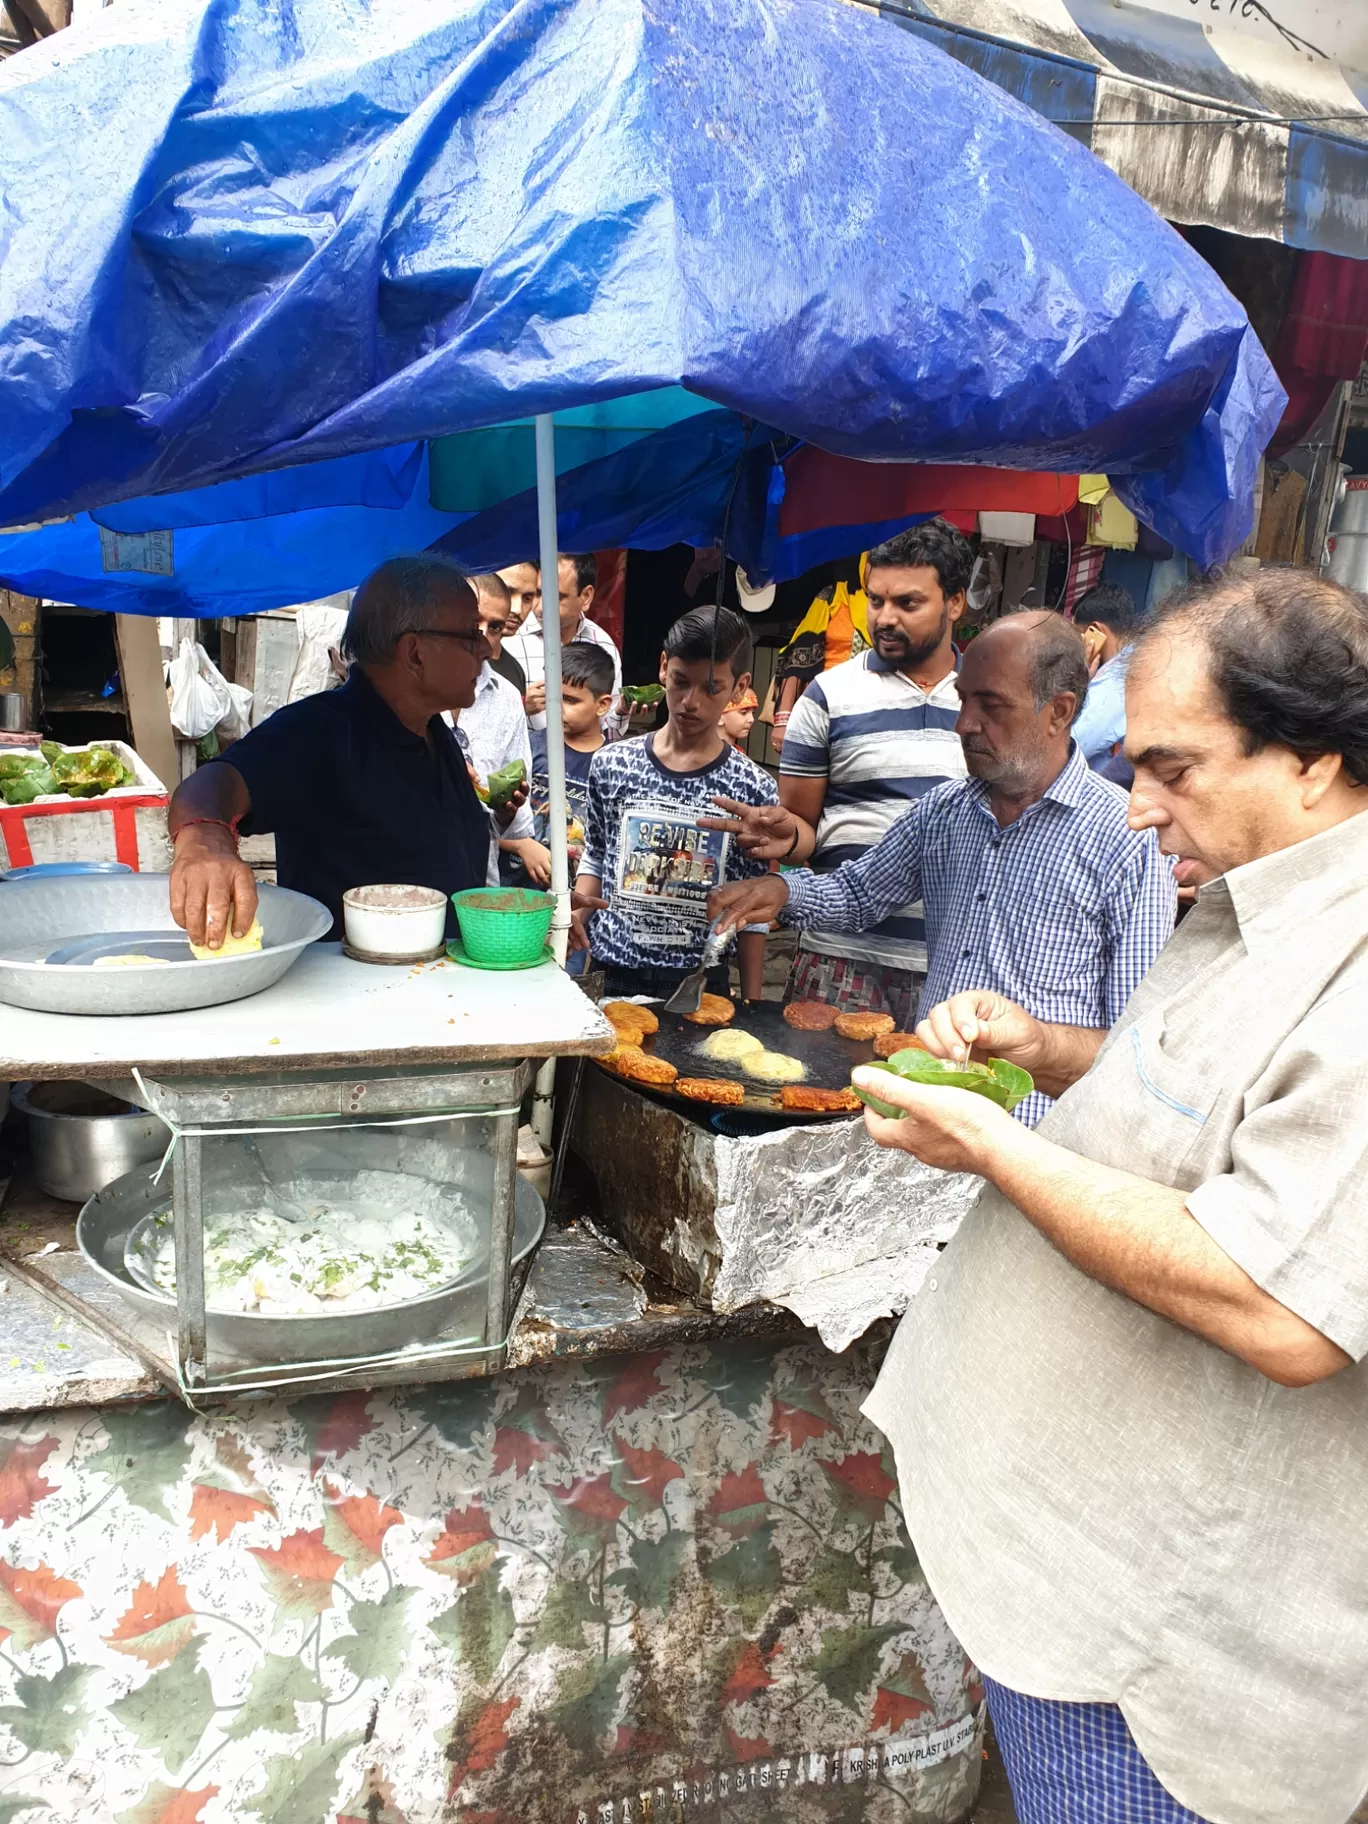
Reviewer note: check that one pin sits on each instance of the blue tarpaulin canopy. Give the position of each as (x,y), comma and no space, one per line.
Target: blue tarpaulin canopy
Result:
(306,236)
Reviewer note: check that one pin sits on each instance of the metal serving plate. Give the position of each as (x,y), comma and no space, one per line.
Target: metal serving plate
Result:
(51,930)
(106,1223)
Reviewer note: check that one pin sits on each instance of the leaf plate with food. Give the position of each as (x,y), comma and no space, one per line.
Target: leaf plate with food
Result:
(1001,1082)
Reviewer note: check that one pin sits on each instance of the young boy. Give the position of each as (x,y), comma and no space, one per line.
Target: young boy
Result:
(586,697)
(738,719)
(645,851)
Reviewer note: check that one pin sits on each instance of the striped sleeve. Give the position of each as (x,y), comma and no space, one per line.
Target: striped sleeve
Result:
(1140,912)
(865,892)
(806,752)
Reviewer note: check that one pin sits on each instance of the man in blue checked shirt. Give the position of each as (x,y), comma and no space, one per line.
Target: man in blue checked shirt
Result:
(1034,886)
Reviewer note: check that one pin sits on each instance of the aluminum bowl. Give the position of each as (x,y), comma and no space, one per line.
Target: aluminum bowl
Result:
(40,918)
(81,1139)
(108,1219)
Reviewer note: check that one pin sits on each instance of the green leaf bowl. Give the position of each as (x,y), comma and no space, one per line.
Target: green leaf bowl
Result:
(1003,1083)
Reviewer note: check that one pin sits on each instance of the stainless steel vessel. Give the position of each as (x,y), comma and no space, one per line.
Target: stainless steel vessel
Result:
(81,915)
(333,1140)
(456,1310)
(81,1139)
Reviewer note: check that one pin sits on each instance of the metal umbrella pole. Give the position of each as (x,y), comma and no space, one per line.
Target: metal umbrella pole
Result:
(549,543)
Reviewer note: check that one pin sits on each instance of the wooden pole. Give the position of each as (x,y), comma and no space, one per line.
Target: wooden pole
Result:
(144,691)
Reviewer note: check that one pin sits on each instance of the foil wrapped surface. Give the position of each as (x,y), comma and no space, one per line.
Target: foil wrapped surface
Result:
(815,1218)
(821,1220)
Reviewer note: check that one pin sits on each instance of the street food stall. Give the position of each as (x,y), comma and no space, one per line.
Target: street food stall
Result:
(603,1535)
(373,1587)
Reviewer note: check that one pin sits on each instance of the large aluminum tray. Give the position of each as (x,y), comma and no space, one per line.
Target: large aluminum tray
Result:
(40,918)
(106,1222)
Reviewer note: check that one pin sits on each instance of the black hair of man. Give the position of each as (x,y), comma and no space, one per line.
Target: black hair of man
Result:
(1059,659)
(397,598)
(490,587)
(1109,605)
(711,633)
(1289,659)
(586,570)
(935,543)
(587,667)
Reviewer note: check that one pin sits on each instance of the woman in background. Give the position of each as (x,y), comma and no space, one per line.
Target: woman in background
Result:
(833,630)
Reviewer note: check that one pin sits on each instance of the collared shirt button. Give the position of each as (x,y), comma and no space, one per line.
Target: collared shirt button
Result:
(930,1285)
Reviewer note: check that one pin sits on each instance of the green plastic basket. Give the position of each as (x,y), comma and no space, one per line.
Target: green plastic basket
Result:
(503,924)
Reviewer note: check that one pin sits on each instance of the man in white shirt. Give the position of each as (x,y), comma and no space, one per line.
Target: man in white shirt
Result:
(578,577)
(492,731)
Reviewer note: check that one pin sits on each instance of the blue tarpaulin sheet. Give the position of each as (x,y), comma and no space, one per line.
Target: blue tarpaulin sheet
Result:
(263,235)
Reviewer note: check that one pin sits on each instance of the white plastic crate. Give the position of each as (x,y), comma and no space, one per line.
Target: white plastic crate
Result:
(126,824)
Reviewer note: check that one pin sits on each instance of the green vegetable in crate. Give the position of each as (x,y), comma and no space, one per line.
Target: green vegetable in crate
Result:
(643,694)
(23,788)
(52,750)
(104,766)
(126,775)
(501,785)
(15,766)
(1001,1082)
(88,774)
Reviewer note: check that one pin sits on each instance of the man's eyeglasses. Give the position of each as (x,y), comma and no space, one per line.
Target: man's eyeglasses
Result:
(473,640)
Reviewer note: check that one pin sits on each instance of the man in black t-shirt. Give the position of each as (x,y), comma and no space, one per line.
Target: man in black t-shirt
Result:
(361,785)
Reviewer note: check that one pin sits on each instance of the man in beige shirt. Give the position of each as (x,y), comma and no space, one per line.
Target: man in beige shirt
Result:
(1130,1407)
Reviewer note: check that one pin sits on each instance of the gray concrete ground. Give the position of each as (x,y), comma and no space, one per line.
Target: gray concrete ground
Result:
(995,1798)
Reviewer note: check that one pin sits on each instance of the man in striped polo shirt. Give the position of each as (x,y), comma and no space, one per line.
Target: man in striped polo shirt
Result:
(866,740)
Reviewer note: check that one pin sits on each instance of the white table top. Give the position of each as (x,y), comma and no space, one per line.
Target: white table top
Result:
(327,1012)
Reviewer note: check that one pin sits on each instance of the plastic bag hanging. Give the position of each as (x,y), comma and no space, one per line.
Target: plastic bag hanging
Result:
(200,698)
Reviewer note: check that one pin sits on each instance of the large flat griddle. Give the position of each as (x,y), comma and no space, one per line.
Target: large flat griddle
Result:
(827,1057)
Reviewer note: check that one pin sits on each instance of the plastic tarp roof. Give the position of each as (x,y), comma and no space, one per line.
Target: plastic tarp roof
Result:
(1219,114)
(251,235)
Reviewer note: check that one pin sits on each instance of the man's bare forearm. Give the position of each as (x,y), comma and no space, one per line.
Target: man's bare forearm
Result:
(216,793)
(1066,1054)
(212,890)
(1140,1239)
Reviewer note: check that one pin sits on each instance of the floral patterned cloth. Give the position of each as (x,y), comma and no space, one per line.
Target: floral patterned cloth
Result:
(628,1589)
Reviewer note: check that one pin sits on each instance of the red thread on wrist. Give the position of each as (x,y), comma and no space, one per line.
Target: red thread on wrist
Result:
(222,822)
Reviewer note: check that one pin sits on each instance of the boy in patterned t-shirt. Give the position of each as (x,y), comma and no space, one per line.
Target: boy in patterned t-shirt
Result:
(646,850)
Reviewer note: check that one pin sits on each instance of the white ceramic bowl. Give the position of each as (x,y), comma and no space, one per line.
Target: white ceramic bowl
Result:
(394,924)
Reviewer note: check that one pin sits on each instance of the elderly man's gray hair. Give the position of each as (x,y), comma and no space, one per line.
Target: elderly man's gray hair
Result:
(399,598)
(1059,663)
(1058,660)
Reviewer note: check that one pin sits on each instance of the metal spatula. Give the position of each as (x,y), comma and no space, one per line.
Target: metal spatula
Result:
(689,994)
